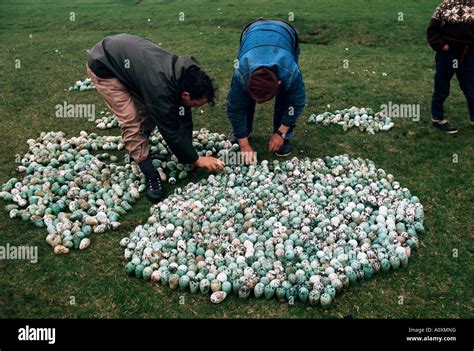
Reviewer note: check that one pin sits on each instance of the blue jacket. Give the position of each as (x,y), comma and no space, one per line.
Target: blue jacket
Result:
(271,44)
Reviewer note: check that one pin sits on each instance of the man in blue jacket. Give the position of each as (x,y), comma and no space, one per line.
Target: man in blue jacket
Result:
(267,67)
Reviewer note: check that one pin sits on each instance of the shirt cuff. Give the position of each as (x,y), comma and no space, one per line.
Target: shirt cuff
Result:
(289,121)
(241,135)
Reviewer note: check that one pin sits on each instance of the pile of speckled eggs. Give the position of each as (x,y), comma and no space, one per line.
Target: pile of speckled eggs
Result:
(70,191)
(74,193)
(362,118)
(82,85)
(299,230)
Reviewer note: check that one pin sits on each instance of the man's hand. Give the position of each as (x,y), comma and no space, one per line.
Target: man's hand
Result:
(276,142)
(249,156)
(445,48)
(209,163)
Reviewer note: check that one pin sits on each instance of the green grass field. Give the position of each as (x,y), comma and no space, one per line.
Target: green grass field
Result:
(52,51)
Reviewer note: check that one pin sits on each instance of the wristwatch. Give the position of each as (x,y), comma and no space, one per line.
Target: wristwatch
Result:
(283,135)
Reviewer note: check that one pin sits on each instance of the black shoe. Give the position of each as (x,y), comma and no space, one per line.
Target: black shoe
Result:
(154,188)
(445,127)
(285,150)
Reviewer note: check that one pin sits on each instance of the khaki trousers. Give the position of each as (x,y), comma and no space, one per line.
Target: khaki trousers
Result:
(135,124)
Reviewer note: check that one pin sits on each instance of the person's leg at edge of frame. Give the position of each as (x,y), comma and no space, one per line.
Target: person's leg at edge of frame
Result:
(442,83)
(465,75)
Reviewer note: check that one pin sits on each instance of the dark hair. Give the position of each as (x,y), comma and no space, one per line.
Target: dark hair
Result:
(199,85)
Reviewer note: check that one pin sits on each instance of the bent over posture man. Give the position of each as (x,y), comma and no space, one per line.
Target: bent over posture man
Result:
(267,66)
(145,86)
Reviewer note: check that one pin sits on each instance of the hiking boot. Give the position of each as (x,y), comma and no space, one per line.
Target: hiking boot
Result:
(154,188)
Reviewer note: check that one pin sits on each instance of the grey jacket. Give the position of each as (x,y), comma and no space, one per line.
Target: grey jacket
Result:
(155,77)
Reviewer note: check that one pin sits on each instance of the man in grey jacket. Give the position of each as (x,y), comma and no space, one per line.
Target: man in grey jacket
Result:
(146,87)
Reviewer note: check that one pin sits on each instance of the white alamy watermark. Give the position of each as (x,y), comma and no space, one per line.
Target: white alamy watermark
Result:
(66,110)
(394,110)
(12,252)
(238,158)
(37,334)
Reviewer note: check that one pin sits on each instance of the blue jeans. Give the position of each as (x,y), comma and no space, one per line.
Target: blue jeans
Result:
(444,73)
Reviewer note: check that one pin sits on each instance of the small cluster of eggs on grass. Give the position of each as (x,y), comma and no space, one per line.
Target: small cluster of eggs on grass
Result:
(362,118)
(83,85)
(107,120)
(74,193)
(298,230)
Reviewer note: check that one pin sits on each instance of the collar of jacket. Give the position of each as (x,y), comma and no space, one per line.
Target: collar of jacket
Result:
(261,19)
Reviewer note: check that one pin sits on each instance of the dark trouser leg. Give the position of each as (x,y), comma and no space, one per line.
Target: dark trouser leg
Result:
(465,75)
(444,73)
(281,108)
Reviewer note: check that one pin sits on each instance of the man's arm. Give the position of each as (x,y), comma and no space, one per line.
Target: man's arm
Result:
(433,34)
(238,102)
(176,130)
